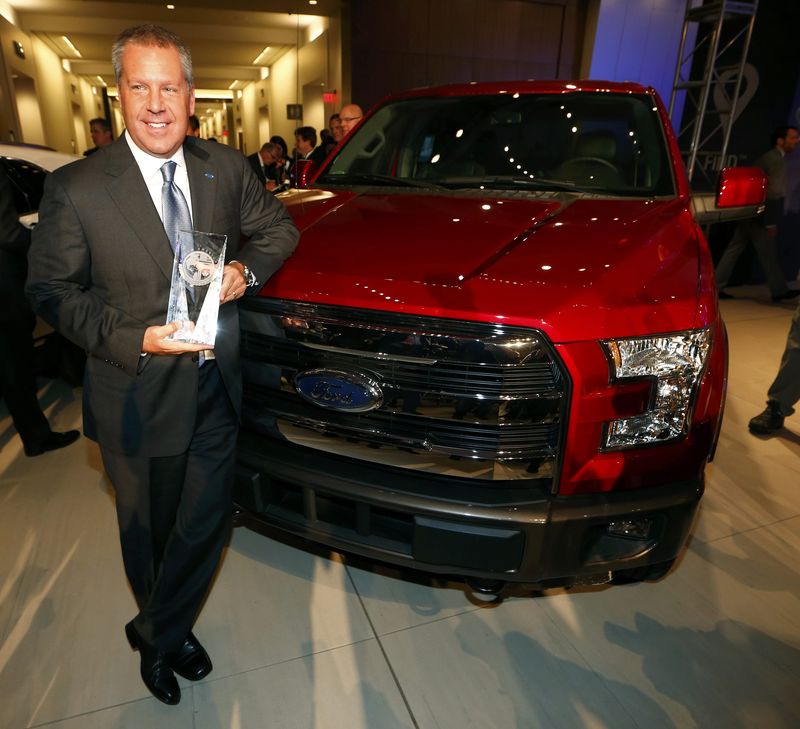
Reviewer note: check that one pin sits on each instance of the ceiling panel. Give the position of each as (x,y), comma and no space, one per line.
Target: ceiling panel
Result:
(225,36)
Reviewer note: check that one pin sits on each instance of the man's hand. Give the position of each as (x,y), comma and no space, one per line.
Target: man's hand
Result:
(156,342)
(233,283)
(271,185)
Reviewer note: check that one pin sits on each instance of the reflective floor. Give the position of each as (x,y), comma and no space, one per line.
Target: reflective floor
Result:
(309,640)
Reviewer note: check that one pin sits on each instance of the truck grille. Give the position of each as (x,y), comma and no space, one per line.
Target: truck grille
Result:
(449,397)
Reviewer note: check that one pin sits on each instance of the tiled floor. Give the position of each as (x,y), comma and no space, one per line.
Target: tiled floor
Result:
(302,639)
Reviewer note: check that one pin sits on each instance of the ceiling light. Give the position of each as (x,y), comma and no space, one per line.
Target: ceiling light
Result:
(257,60)
(71,46)
(233,84)
(312,2)
(170,7)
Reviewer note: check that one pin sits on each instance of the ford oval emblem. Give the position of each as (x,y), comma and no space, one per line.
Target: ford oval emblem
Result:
(338,390)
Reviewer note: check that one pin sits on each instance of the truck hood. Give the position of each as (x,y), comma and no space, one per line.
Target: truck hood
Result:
(574,267)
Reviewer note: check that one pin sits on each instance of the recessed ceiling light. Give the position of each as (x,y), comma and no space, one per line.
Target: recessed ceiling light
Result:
(257,60)
(71,46)
(170,7)
(312,2)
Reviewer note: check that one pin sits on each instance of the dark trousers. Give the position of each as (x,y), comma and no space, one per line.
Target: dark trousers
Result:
(17,380)
(174,517)
(786,388)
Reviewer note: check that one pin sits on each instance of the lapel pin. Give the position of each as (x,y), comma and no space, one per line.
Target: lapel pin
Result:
(209,175)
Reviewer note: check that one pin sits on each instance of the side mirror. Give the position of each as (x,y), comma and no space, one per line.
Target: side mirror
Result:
(303,172)
(740,195)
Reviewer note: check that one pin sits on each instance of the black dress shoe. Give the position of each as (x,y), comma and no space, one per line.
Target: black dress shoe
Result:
(191,660)
(155,670)
(767,422)
(51,442)
(787,296)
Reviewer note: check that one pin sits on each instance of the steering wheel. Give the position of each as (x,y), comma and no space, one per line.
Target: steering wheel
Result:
(595,160)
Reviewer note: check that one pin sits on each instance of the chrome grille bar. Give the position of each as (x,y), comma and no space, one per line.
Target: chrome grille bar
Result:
(451,389)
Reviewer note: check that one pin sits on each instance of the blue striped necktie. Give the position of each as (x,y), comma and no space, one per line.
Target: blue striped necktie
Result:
(176,210)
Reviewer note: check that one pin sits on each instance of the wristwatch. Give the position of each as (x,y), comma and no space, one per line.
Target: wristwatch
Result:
(249,277)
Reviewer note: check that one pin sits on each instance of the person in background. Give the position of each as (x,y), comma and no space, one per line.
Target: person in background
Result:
(193,130)
(784,392)
(350,116)
(281,142)
(305,144)
(165,413)
(284,166)
(335,125)
(333,135)
(761,231)
(264,164)
(100,130)
(17,320)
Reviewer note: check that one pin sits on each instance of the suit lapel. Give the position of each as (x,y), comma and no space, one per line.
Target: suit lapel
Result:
(130,194)
(203,180)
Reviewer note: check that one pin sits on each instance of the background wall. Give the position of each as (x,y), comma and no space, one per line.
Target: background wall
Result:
(402,44)
(304,79)
(637,41)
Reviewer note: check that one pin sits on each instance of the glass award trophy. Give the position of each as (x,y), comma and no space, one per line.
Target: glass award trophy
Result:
(196,284)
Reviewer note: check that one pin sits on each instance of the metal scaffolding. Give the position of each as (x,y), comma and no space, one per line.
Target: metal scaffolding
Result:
(711,70)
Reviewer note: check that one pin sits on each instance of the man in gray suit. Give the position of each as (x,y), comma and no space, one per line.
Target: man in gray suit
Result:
(164,413)
(762,230)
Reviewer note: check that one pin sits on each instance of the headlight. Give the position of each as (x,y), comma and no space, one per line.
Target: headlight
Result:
(676,362)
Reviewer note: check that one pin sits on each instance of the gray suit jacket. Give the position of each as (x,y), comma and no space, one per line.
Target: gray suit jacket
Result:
(100,268)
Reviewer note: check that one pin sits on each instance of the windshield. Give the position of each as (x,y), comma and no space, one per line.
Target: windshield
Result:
(597,142)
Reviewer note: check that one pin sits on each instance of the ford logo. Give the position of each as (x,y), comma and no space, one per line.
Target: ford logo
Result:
(348,391)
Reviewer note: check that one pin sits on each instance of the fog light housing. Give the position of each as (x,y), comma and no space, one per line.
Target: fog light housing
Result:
(636,527)
(676,363)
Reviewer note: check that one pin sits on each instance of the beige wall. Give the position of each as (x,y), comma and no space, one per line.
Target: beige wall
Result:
(30,117)
(11,65)
(44,104)
(320,70)
(55,98)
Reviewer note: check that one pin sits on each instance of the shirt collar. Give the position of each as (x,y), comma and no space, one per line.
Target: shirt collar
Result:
(149,165)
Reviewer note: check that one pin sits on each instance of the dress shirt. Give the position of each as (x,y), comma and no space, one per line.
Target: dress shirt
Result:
(150,167)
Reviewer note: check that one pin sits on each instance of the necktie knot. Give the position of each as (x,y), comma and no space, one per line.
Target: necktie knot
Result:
(168,171)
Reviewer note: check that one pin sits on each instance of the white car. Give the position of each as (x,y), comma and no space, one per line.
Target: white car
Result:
(27,166)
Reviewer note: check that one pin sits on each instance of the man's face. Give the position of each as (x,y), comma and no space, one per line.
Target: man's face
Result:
(100,137)
(336,130)
(267,158)
(790,140)
(301,145)
(155,99)
(350,116)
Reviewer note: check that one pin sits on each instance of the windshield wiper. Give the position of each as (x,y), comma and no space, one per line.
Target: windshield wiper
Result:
(363,178)
(507,182)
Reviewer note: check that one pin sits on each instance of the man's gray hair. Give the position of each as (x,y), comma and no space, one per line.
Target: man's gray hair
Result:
(151,35)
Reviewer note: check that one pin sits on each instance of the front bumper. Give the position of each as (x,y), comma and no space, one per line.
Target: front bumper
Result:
(447,527)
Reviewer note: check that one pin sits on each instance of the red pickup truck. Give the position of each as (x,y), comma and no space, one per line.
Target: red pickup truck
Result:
(497,352)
